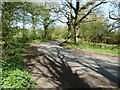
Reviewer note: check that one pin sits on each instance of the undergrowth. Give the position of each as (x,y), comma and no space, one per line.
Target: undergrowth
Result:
(14,74)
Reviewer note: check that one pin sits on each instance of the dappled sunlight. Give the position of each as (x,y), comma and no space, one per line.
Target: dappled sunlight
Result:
(57,66)
(61,44)
(57,74)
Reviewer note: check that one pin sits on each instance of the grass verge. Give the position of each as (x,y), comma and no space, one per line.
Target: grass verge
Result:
(96,47)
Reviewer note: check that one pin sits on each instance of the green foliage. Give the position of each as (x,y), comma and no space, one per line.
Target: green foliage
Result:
(102,45)
(60,32)
(98,32)
(13,72)
(1,42)
(13,54)
(17,79)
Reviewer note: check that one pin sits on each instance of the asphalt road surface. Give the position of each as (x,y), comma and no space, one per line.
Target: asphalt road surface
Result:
(105,66)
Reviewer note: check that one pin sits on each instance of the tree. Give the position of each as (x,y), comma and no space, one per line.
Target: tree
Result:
(77,16)
(22,16)
(46,17)
(66,12)
(8,13)
(34,12)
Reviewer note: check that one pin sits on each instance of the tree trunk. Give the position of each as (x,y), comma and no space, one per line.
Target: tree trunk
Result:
(76,34)
(33,25)
(45,33)
(69,33)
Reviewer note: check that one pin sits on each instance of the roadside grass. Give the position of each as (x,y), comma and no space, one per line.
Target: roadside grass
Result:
(97,47)
(43,40)
(60,39)
(14,74)
(36,41)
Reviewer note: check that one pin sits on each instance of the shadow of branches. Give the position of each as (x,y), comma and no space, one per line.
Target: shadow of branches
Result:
(57,69)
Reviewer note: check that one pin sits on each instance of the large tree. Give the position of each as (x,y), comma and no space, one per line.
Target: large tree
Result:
(78,11)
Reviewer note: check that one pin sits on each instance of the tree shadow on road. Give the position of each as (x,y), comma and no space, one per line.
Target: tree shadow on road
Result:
(103,66)
(57,71)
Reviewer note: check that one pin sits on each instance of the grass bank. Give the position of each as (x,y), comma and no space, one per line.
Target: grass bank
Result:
(96,47)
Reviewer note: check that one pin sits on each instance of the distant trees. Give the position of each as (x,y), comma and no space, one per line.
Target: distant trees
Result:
(81,19)
(46,17)
(34,12)
(19,15)
(92,32)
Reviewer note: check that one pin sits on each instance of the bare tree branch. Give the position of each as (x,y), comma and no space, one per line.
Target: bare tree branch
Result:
(114,18)
(86,5)
(70,3)
(90,10)
(61,21)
